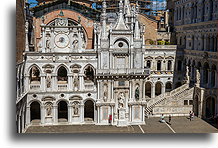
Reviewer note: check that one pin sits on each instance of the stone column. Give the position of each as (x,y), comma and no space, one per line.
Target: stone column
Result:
(81,82)
(143,90)
(55,114)
(27,115)
(215,44)
(205,43)
(70,113)
(98,92)
(26,84)
(211,43)
(26,32)
(43,84)
(112,114)
(153,90)
(54,83)
(43,39)
(130,90)
(82,112)
(42,114)
(130,113)
(70,82)
(112,90)
(163,89)
(209,78)
(98,118)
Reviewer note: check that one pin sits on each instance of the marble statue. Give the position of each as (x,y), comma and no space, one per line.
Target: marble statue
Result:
(121,101)
(76,108)
(137,94)
(76,83)
(48,80)
(48,109)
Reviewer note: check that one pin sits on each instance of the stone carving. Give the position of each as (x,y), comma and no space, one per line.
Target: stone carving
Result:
(75,44)
(48,43)
(48,108)
(105,93)
(76,108)
(187,75)
(48,80)
(61,22)
(198,78)
(137,93)
(76,83)
(121,100)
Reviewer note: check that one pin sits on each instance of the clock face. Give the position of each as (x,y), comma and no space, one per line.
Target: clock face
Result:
(61,40)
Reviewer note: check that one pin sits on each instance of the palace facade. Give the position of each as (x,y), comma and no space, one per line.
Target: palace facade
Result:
(79,68)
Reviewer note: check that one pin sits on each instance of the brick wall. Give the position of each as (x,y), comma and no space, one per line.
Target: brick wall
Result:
(20,30)
(150,28)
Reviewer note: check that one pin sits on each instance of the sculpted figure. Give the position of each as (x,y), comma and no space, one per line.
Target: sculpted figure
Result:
(76,83)
(137,94)
(121,101)
(76,108)
(48,81)
(48,109)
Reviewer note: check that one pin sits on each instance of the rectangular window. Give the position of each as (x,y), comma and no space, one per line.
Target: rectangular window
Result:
(121,83)
(190,102)
(185,102)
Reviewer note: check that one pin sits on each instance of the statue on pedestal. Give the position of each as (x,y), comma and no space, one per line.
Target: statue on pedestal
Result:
(48,80)
(198,78)
(48,109)
(76,108)
(137,94)
(121,101)
(187,75)
(76,83)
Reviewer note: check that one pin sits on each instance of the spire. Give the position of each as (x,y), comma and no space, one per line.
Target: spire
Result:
(120,23)
(127,8)
(137,30)
(103,19)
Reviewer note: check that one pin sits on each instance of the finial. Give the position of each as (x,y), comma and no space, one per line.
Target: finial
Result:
(61,13)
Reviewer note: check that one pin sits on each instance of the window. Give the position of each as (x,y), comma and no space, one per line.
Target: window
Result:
(148,64)
(158,65)
(190,102)
(169,65)
(185,102)
(121,83)
(62,74)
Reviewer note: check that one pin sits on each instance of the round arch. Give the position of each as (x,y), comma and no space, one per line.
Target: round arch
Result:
(34,65)
(158,88)
(89,107)
(35,111)
(148,86)
(62,111)
(169,86)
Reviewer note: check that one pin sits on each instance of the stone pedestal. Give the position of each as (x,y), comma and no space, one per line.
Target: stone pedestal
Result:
(48,120)
(121,117)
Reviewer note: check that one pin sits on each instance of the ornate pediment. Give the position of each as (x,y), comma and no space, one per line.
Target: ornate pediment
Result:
(48,68)
(148,58)
(159,58)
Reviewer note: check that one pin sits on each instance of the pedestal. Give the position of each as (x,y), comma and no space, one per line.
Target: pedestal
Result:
(48,120)
(121,117)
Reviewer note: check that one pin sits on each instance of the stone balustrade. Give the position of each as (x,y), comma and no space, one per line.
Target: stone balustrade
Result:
(123,71)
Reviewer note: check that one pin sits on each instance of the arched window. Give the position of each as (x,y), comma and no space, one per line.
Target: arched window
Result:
(169,65)
(158,88)
(148,89)
(213,76)
(206,73)
(179,65)
(34,74)
(168,86)
(62,74)
(89,74)
(149,64)
(159,65)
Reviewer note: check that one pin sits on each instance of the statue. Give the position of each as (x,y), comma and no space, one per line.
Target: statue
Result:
(121,101)
(79,19)
(76,83)
(187,74)
(48,81)
(48,43)
(76,108)
(198,78)
(75,44)
(48,109)
(105,93)
(137,94)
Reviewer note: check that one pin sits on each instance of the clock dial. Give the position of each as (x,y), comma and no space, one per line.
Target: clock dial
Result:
(61,40)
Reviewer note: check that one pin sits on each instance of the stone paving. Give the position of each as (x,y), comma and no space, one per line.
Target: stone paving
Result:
(178,125)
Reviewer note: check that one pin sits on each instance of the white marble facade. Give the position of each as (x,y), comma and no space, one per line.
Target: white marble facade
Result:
(118,82)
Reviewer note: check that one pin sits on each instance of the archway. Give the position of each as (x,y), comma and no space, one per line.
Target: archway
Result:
(89,74)
(158,88)
(148,89)
(196,106)
(34,75)
(168,86)
(62,111)
(62,75)
(35,113)
(210,107)
(89,110)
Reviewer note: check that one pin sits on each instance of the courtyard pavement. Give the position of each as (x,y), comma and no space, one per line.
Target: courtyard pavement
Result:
(178,125)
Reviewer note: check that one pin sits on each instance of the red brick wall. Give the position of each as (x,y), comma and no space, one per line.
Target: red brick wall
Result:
(67,14)
(20,30)
(150,28)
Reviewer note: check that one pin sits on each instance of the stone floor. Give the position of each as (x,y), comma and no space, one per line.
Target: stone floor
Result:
(178,125)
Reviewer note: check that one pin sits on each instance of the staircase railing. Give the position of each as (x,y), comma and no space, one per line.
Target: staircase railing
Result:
(176,92)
